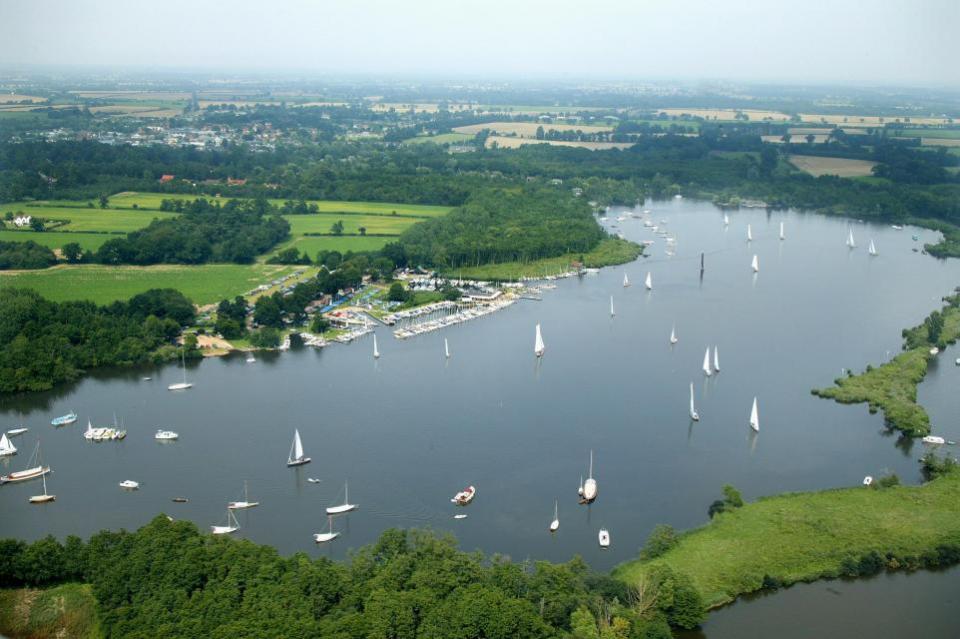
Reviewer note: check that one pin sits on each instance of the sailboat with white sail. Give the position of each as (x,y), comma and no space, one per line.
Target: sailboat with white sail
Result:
(588,492)
(232,525)
(850,241)
(612,312)
(782,235)
(322,538)
(33,470)
(182,385)
(626,281)
(243,503)
(873,248)
(6,446)
(754,417)
(755,264)
(706,363)
(555,524)
(376,351)
(726,220)
(716,359)
(673,336)
(649,281)
(749,233)
(296,456)
(694,415)
(446,348)
(346,506)
(45,497)
(538,347)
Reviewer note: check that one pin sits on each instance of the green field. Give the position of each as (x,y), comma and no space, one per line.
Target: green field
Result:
(608,253)
(342,243)
(86,219)
(204,284)
(62,611)
(55,240)
(942,134)
(806,536)
(443,138)
(389,224)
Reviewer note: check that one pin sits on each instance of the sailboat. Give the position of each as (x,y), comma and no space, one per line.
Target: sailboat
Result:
(873,248)
(182,385)
(446,348)
(649,281)
(251,359)
(6,446)
(538,346)
(755,264)
(716,359)
(612,312)
(245,503)
(706,363)
(850,242)
(589,491)
(232,525)
(555,524)
(322,538)
(296,457)
(782,236)
(673,335)
(64,420)
(693,411)
(754,417)
(749,233)
(376,351)
(45,497)
(626,281)
(31,472)
(346,506)
(726,220)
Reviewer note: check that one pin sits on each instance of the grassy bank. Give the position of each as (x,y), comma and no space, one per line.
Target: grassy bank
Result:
(609,252)
(892,387)
(807,536)
(62,611)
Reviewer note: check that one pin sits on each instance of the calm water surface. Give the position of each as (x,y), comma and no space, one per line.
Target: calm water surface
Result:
(412,428)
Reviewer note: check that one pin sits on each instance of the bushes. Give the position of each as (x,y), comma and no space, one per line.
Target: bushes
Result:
(266,337)
(731,499)
(29,254)
(662,539)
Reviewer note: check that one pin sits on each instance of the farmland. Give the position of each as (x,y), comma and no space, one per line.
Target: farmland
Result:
(86,219)
(443,138)
(204,284)
(728,114)
(528,129)
(311,245)
(514,143)
(55,240)
(13,98)
(374,224)
(842,167)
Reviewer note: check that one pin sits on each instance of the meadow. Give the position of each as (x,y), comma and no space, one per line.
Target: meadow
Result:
(342,243)
(62,611)
(443,138)
(529,129)
(755,115)
(204,284)
(843,167)
(375,224)
(55,240)
(87,219)
(514,143)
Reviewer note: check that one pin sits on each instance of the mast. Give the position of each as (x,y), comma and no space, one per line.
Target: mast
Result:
(590,476)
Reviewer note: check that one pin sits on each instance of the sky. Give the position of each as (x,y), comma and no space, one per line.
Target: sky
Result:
(897,42)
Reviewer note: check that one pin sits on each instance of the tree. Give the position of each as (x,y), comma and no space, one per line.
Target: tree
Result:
(36,224)
(337,227)
(540,133)
(267,311)
(319,325)
(266,337)
(363,230)
(72,252)
(662,539)
(104,201)
(934,323)
(397,293)
(810,138)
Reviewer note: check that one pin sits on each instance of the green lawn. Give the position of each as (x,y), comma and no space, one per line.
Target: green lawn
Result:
(62,611)
(203,284)
(342,243)
(321,223)
(609,252)
(443,138)
(85,219)
(806,536)
(55,240)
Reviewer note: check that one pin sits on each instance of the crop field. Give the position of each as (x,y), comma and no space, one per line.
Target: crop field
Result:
(133,95)
(300,224)
(443,138)
(312,245)
(841,167)
(7,98)
(526,109)
(87,219)
(204,284)
(930,133)
(818,138)
(755,115)
(869,120)
(529,129)
(55,240)
(514,143)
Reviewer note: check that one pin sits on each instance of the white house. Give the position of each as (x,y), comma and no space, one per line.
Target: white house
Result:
(22,221)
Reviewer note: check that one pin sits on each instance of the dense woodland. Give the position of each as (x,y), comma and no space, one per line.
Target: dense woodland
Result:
(168,580)
(44,343)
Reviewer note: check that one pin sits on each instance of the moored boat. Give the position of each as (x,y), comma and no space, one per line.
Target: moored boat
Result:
(64,420)
(243,503)
(296,456)
(34,469)
(129,484)
(6,446)
(346,506)
(604,538)
(166,435)
(232,525)
(465,496)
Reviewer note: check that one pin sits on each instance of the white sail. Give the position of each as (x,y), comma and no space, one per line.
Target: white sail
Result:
(296,457)
(626,280)
(673,335)
(716,359)
(446,347)
(649,281)
(782,236)
(693,411)
(538,346)
(555,524)
(726,219)
(850,241)
(749,233)
(706,363)
(612,312)
(754,417)
(873,248)
(755,264)
(6,447)
(376,351)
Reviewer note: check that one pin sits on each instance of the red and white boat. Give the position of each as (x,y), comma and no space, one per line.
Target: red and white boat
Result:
(465,496)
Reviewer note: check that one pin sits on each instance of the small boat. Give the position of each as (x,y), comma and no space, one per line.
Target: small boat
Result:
(754,417)
(589,490)
(896,227)
(31,472)
(346,506)
(755,264)
(694,415)
(555,524)
(716,359)
(867,480)
(873,248)
(13,432)
(64,420)
(706,363)
(749,233)
(934,351)
(296,456)
(538,347)
(446,348)
(782,236)
(726,220)
(604,538)
(649,281)
(376,351)
(612,312)
(626,281)
(465,496)
(460,516)
(244,503)
(45,497)
(251,359)
(129,484)
(146,379)
(232,525)
(933,439)
(322,538)
(673,335)
(6,446)
(166,435)
(850,241)
(182,385)
(179,500)
(957,361)
(313,480)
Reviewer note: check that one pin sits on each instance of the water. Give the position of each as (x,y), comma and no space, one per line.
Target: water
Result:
(412,428)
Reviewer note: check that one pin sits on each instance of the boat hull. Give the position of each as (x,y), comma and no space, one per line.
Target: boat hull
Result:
(240,505)
(42,499)
(176,387)
(322,538)
(299,462)
(25,475)
(339,510)
(222,530)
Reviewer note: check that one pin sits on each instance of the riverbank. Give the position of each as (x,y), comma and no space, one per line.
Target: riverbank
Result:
(795,537)
(892,387)
(68,610)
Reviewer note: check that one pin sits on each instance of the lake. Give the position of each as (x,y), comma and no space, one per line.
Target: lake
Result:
(412,428)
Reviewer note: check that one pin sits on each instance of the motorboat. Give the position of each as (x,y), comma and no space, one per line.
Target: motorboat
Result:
(13,432)
(604,538)
(166,435)
(64,420)
(933,439)
(465,496)
(129,484)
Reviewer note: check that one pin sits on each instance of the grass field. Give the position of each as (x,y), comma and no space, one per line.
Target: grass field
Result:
(755,115)
(204,284)
(342,243)
(515,143)
(806,536)
(529,129)
(67,611)
(867,120)
(443,138)
(55,240)
(393,225)
(85,219)
(842,167)
(609,252)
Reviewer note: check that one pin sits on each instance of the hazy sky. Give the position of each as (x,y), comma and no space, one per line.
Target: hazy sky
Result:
(866,41)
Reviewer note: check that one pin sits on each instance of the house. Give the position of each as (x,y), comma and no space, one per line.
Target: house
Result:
(236,181)
(166,177)
(22,221)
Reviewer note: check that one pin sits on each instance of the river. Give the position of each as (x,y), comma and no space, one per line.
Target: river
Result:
(412,428)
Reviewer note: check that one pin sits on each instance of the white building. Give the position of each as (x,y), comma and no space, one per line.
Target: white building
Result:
(22,220)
